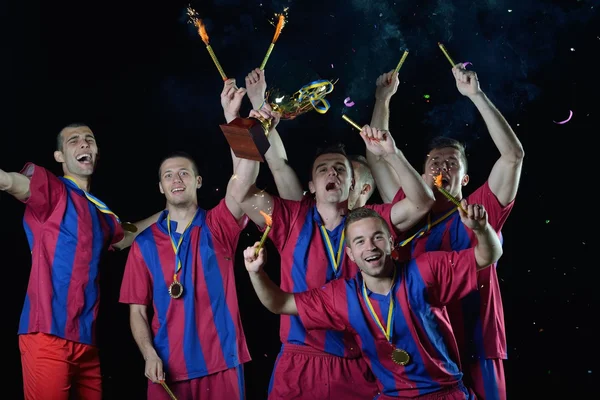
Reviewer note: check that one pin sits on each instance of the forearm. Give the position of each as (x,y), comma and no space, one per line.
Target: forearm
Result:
(380,118)
(271,296)
(501,132)
(140,328)
(15,184)
(286,180)
(415,189)
(488,249)
(243,179)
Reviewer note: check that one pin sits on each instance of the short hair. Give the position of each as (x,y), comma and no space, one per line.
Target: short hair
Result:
(365,170)
(59,138)
(441,142)
(361,213)
(338,148)
(179,154)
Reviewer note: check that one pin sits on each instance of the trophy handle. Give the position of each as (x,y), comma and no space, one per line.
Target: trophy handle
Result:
(248,137)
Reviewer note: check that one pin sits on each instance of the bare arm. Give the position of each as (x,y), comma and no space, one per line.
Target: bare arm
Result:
(15,184)
(388,182)
(140,328)
(129,237)
(419,197)
(270,295)
(506,173)
(286,180)
(488,249)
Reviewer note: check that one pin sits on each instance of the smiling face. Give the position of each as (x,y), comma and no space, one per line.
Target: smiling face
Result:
(369,245)
(78,151)
(331,178)
(179,182)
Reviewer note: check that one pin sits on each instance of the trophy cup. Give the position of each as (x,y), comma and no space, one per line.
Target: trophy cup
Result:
(248,137)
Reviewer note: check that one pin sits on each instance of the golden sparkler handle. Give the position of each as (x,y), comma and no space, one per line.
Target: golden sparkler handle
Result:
(401,61)
(354,124)
(264,61)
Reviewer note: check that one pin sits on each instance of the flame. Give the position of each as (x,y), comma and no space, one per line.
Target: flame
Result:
(268,219)
(198,24)
(438,180)
(279,27)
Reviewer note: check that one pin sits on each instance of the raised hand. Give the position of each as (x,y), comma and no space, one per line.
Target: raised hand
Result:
(256,85)
(386,85)
(266,114)
(377,141)
(154,369)
(253,262)
(466,81)
(475,216)
(231,99)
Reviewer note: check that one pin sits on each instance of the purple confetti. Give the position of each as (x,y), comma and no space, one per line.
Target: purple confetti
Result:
(467,63)
(348,102)
(566,120)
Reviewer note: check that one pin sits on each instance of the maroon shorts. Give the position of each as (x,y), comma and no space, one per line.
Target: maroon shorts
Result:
(302,372)
(228,384)
(486,378)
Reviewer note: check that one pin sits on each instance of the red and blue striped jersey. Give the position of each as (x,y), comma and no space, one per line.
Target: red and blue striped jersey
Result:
(422,287)
(306,263)
(201,332)
(477,319)
(67,236)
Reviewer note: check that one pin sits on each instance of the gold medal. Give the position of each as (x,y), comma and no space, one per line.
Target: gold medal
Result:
(400,357)
(129,227)
(176,290)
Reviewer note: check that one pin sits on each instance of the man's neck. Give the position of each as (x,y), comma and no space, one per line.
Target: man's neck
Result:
(182,215)
(442,203)
(332,213)
(84,182)
(381,284)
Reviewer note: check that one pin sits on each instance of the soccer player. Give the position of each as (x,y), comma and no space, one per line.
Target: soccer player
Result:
(478,319)
(309,237)
(182,267)
(389,308)
(68,230)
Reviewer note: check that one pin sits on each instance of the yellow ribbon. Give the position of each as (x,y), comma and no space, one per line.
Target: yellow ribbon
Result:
(316,92)
(427,227)
(387,331)
(176,247)
(335,261)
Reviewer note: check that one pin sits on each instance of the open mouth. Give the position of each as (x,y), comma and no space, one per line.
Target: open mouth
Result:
(330,186)
(373,258)
(84,158)
(176,190)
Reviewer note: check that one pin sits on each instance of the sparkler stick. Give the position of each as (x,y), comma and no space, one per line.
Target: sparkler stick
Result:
(401,61)
(164,385)
(438,184)
(443,49)
(204,36)
(278,28)
(354,124)
(269,222)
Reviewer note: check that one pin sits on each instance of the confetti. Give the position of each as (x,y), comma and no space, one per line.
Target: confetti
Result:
(348,102)
(566,120)
(467,63)
(426,96)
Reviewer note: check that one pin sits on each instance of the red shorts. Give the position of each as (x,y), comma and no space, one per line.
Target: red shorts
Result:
(302,372)
(454,392)
(56,368)
(486,378)
(228,384)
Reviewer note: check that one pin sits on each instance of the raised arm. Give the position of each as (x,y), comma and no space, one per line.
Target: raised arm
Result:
(388,182)
(419,197)
(488,249)
(242,185)
(286,180)
(129,237)
(15,184)
(140,328)
(506,173)
(270,295)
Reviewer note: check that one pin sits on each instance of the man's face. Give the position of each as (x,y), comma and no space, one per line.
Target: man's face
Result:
(79,152)
(178,182)
(369,245)
(331,178)
(448,162)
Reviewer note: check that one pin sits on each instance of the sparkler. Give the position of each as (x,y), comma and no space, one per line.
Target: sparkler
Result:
(193,15)
(164,385)
(269,222)
(438,183)
(443,49)
(356,126)
(281,20)
(401,61)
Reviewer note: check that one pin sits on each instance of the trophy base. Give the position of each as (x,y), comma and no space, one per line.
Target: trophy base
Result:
(247,138)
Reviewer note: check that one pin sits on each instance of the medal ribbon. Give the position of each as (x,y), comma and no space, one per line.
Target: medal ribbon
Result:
(387,331)
(96,201)
(427,227)
(176,246)
(335,261)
